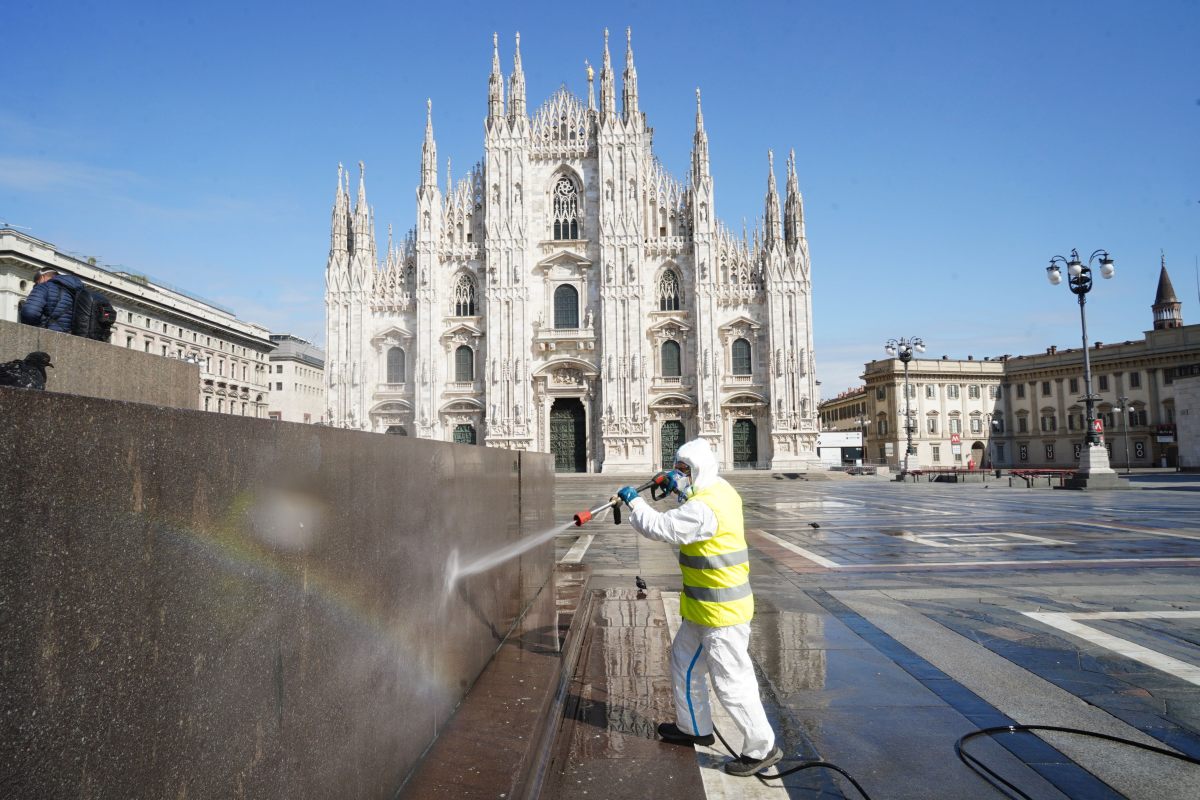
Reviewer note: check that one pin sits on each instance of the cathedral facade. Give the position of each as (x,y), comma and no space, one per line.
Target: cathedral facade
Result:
(568,295)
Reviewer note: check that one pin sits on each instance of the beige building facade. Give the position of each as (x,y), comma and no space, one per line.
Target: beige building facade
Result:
(1028,411)
(297,380)
(157,319)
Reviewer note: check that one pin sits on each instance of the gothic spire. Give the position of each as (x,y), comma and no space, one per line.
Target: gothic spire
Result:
(608,99)
(793,210)
(699,145)
(449,178)
(516,84)
(360,204)
(629,90)
(340,227)
(1168,311)
(362,230)
(429,151)
(771,214)
(495,83)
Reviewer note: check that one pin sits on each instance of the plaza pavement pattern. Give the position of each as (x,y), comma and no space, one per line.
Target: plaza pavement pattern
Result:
(914,614)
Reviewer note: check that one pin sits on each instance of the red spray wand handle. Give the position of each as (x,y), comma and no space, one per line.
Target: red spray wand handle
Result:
(614,502)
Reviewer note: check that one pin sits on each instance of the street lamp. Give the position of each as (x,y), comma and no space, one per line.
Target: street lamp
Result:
(903,349)
(1123,410)
(1093,461)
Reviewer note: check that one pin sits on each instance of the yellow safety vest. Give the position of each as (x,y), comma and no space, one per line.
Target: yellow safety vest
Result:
(716,572)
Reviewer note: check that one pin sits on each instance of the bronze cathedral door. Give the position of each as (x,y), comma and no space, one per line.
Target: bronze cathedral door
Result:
(568,437)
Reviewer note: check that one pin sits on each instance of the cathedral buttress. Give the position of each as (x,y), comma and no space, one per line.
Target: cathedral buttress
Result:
(429,230)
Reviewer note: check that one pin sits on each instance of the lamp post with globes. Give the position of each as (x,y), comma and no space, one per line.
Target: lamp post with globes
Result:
(903,349)
(1094,471)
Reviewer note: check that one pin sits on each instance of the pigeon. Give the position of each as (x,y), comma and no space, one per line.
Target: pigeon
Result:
(814,524)
(641,584)
(26,373)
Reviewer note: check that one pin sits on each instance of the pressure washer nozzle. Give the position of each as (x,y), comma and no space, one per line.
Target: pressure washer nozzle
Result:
(582,517)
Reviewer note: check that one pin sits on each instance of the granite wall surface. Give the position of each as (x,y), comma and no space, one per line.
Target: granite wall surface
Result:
(102,369)
(194,605)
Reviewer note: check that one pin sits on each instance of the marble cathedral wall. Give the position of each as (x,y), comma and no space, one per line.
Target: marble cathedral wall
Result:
(568,295)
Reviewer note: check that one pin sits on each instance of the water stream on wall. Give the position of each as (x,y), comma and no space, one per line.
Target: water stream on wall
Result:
(456,570)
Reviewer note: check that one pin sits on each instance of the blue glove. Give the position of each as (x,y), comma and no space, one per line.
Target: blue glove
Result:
(673,480)
(627,493)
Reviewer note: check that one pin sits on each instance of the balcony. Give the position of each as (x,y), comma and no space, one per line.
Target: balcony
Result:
(568,339)
(670,383)
(391,388)
(737,381)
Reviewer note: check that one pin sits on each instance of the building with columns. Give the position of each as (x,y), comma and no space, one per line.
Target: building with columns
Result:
(155,318)
(569,295)
(1028,410)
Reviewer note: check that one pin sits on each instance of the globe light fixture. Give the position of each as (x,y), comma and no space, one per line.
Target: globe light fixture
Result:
(1094,471)
(904,349)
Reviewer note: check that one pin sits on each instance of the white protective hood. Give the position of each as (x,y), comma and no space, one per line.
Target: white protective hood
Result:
(699,457)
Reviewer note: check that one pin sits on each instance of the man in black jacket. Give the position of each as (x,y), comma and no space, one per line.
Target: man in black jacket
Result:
(51,303)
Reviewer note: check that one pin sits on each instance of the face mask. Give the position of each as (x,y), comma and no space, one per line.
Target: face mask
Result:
(683,483)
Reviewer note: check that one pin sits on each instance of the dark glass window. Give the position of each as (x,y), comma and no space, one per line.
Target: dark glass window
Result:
(566,307)
(670,359)
(741,357)
(464,364)
(395,365)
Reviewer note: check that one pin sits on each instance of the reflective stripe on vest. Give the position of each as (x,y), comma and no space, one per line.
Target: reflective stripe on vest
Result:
(709,595)
(715,562)
(716,571)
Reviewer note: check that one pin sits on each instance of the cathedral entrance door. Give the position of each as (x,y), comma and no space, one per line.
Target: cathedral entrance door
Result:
(464,434)
(672,437)
(568,439)
(745,444)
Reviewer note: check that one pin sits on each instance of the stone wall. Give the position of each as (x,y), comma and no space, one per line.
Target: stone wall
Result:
(195,605)
(101,369)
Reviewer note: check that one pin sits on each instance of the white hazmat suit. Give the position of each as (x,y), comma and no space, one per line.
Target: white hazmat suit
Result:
(721,652)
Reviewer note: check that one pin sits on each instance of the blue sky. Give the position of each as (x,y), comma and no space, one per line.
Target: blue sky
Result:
(945,149)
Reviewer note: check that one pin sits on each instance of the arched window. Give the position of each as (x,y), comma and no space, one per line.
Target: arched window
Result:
(464,364)
(565,202)
(566,307)
(741,357)
(670,359)
(464,296)
(395,365)
(668,291)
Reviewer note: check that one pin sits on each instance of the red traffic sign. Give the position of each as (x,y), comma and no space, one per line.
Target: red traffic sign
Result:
(1098,425)
(955,438)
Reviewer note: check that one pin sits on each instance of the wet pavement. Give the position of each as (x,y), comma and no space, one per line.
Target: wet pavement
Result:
(906,617)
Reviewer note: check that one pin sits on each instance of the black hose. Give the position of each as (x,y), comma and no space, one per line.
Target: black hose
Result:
(798,768)
(991,777)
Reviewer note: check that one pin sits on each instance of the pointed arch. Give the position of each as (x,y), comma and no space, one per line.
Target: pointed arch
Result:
(566,205)
(669,292)
(464,296)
